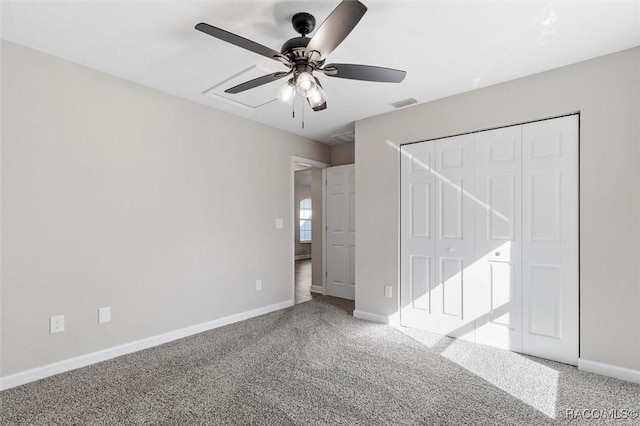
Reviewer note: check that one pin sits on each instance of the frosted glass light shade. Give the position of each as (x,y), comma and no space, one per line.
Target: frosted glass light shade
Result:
(287,93)
(305,84)
(318,97)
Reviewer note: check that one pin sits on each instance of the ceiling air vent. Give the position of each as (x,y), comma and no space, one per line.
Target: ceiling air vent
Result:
(345,137)
(404,103)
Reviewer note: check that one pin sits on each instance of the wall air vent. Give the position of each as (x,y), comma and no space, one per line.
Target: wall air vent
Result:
(345,137)
(404,103)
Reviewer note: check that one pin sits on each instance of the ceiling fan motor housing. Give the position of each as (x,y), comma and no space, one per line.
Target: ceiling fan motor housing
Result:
(294,45)
(303,23)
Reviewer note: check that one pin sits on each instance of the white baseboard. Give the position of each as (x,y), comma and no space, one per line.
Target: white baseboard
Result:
(382,319)
(38,373)
(317,289)
(303,256)
(616,372)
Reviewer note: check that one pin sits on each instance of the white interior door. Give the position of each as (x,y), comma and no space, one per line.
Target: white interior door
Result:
(550,255)
(498,238)
(341,231)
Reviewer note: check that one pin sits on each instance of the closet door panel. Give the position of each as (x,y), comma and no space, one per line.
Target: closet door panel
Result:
(437,236)
(498,237)
(453,296)
(550,215)
(417,243)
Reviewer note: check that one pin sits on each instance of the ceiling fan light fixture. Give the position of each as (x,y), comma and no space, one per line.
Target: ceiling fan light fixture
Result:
(318,97)
(305,84)
(288,92)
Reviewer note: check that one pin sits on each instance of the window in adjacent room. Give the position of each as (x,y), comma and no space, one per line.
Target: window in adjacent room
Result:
(305,220)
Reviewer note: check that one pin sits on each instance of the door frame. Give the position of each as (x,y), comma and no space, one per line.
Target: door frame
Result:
(292,233)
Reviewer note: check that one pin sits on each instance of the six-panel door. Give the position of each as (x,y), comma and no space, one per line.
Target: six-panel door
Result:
(341,231)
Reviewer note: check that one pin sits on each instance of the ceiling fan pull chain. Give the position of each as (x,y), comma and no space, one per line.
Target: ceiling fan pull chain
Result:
(303,116)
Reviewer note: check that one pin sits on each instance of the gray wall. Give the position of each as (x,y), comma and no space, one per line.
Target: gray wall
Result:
(606,91)
(117,195)
(302,190)
(343,154)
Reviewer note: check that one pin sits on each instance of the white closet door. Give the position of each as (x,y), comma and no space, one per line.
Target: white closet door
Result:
(489,237)
(341,231)
(550,216)
(498,238)
(417,263)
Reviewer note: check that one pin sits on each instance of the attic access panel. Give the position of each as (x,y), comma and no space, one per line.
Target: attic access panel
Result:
(250,99)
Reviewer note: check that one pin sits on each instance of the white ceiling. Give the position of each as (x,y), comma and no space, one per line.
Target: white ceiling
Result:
(446,47)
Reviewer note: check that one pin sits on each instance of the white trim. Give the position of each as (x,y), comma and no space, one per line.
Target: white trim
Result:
(38,373)
(393,320)
(303,256)
(317,289)
(310,162)
(292,232)
(614,371)
(324,231)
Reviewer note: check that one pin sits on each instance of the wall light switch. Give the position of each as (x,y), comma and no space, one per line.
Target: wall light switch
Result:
(279,223)
(258,285)
(104,315)
(388,291)
(56,324)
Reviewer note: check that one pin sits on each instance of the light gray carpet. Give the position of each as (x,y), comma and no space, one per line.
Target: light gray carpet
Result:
(315,364)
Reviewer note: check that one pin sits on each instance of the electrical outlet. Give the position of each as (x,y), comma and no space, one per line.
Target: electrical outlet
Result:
(56,324)
(104,315)
(279,223)
(388,291)
(258,285)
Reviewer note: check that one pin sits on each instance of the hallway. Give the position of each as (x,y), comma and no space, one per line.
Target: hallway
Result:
(303,281)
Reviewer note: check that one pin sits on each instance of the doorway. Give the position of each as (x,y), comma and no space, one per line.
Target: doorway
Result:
(307,207)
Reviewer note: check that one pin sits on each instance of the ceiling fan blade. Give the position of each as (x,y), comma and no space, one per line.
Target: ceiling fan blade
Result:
(257,82)
(336,28)
(365,73)
(239,41)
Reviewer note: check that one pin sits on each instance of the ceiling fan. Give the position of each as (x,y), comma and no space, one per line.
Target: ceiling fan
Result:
(304,56)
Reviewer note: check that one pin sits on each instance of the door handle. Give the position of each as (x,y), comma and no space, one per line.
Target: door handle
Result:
(450,249)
